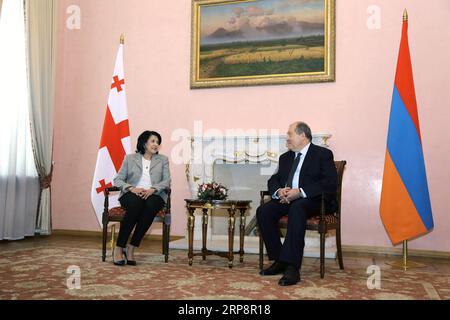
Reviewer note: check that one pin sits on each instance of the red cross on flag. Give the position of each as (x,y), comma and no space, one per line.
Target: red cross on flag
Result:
(114,142)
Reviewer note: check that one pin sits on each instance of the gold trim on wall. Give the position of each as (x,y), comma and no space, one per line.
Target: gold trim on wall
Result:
(330,54)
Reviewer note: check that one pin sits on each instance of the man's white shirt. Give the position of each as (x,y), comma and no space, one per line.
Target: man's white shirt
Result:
(296,177)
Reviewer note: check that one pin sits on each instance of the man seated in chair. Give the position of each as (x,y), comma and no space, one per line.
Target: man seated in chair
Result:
(304,173)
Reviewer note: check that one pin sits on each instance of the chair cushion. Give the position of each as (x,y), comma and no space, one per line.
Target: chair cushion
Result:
(329,219)
(119,213)
(116,213)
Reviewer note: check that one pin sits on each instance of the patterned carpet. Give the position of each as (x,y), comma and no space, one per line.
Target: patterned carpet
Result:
(41,273)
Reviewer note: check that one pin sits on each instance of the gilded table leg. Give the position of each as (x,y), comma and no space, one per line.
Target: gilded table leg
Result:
(191,223)
(242,235)
(231,221)
(204,232)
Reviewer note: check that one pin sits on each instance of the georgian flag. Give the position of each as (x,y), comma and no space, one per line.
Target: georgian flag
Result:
(114,142)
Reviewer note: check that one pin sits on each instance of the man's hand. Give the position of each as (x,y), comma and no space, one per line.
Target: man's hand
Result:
(282,194)
(293,194)
(289,195)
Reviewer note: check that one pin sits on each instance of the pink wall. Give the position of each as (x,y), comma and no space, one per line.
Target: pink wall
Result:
(354,109)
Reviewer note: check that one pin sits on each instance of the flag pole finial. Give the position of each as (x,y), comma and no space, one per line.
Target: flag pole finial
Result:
(405,15)
(122,39)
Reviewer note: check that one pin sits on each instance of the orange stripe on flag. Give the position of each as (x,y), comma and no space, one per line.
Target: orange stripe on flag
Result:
(399,215)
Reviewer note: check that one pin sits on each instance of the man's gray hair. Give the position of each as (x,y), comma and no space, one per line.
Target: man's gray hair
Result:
(303,128)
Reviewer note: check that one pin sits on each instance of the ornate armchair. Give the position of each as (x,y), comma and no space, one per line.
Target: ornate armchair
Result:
(116,214)
(322,223)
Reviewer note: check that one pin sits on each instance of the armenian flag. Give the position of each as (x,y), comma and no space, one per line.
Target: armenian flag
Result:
(405,207)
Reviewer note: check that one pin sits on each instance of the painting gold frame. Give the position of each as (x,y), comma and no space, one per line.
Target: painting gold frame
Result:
(326,74)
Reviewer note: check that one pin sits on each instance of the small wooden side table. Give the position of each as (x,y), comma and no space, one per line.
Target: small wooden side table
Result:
(206,205)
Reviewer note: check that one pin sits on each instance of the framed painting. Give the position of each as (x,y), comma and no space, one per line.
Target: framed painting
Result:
(262,42)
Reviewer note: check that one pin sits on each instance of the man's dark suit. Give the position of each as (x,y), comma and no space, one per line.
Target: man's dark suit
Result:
(318,175)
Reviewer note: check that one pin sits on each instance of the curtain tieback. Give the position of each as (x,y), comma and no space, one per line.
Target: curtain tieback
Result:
(46,181)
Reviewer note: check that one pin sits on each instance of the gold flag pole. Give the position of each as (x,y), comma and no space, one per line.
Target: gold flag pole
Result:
(113,227)
(112,244)
(404,263)
(113,233)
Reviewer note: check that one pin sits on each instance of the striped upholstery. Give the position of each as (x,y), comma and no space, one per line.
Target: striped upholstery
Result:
(313,221)
(117,213)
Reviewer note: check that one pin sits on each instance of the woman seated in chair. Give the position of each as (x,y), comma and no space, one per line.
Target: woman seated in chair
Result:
(143,180)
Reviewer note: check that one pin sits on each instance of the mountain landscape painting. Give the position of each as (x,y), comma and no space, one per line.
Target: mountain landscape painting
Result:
(261,38)
(241,42)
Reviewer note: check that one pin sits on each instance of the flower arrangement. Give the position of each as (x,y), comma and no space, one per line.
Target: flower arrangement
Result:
(212,191)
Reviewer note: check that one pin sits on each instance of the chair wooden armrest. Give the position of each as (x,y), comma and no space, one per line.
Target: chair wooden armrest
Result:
(112,189)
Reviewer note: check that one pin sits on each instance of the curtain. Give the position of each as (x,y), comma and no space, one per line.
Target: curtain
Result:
(42,33)
(1,1)
(19,186)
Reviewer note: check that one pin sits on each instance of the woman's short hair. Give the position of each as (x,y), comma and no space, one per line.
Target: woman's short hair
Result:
(143,138)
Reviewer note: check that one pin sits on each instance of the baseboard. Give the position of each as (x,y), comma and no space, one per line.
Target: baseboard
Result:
(391,251)
(98,234)
(76,233)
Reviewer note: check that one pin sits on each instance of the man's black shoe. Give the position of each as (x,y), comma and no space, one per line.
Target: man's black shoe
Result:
(276,268)
(291,276)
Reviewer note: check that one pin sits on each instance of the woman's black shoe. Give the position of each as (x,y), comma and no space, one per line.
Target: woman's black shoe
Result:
(129,262)
(120,262)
